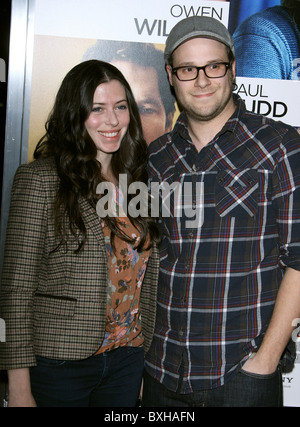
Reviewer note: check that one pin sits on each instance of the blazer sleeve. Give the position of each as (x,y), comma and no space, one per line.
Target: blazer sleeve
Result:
(148,298)
(25,239)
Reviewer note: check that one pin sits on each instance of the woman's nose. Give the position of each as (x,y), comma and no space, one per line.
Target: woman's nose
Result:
(112,118)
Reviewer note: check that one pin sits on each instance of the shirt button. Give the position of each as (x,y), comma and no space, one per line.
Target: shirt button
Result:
(195,168)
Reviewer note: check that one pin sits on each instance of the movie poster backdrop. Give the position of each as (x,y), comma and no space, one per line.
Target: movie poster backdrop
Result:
(62,33)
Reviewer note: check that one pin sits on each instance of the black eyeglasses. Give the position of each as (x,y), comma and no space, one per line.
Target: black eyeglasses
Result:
(191,72)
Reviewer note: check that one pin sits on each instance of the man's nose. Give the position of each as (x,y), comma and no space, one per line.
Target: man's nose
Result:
(202,79)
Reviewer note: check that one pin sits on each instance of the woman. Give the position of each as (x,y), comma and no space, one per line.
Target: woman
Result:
(76,296)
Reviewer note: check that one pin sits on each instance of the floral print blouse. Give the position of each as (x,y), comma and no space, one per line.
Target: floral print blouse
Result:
(126,267)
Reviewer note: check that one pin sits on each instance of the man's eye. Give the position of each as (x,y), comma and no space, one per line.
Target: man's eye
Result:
(146,110)
(214,66)
(188,70)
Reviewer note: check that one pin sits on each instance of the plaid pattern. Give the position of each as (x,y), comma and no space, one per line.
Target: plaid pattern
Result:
(218,282)
(54,303)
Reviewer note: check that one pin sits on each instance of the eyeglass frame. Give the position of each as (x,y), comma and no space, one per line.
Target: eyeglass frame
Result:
(227,65)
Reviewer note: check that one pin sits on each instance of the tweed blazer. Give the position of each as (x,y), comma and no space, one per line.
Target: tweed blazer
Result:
(54,302)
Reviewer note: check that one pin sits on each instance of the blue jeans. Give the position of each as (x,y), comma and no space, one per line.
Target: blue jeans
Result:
(108,379)
(242,390)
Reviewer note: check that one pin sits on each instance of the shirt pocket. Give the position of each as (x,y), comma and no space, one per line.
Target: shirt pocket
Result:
(237,192)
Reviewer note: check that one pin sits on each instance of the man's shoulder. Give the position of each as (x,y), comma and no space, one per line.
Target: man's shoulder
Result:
(165,142)
(160,157)
(260,23)
(160,144)
(254,122)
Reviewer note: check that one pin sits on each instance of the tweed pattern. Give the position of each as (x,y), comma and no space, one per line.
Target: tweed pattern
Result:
(54,302)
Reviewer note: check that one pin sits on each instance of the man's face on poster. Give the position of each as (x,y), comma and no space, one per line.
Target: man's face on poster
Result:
(144,85)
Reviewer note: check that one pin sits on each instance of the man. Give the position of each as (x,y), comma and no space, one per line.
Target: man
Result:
(142,66)
(222,321)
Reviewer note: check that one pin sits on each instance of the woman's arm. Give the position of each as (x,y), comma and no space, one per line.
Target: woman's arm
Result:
(19,389)
(24,249)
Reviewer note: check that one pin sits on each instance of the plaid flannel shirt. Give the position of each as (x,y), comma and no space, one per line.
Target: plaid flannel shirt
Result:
(219,277)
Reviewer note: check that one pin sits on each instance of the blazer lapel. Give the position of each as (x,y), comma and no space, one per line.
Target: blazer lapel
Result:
(92,220)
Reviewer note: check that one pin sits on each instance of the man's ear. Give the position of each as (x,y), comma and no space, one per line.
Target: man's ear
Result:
(170,75)
(233,69)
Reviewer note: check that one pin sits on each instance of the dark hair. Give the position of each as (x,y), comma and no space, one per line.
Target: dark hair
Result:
(293,8)
(143,54)
(74,152)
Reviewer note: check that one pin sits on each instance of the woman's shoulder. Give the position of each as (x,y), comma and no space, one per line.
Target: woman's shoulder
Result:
(37,174)
(42,167)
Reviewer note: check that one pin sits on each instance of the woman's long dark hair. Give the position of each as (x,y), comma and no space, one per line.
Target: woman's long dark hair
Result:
(74,152)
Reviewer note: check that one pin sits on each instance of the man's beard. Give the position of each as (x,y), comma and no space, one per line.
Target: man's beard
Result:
(212,113)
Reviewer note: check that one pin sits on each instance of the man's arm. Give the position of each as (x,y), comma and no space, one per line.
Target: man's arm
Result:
(278,334)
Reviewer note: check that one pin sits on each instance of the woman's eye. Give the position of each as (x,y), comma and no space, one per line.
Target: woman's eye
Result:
(122,107)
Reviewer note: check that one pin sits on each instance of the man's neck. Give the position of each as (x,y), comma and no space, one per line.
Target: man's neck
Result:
(204,131)
(201,133)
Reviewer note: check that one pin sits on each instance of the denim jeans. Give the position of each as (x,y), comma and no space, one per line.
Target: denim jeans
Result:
(242,390)
(108,379)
